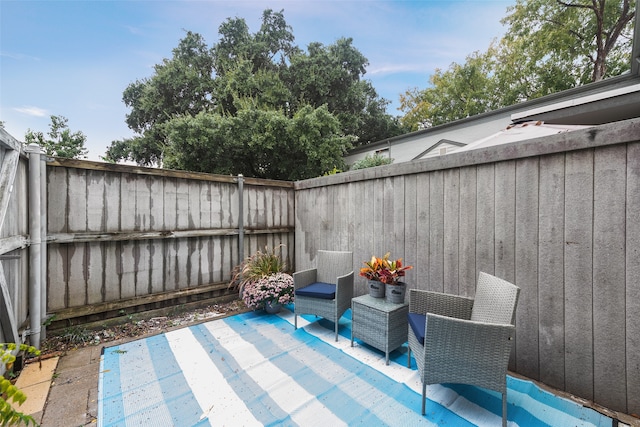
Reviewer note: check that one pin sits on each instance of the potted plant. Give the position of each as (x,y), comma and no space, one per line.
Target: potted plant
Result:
(262,282)
(269,292)
(381,272)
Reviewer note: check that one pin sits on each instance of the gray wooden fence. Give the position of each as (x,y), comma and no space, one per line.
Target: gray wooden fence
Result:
(13,238)
(558,216)
(121,236)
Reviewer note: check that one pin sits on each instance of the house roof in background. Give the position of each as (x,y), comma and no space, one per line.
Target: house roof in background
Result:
(519,132)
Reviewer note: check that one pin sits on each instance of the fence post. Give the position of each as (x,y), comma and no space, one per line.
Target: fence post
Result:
(43,245)
(240,218)
(35,255)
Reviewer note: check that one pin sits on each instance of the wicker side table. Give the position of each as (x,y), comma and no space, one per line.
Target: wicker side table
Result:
(379,323)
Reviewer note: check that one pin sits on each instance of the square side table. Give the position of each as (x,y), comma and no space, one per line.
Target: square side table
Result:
(379,323)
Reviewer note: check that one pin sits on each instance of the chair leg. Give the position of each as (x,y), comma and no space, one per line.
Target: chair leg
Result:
(336,331)
(504,409)
(295,320)
(424,397)
(408,357)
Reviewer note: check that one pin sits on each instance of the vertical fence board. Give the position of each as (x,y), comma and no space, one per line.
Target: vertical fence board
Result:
(111,201)
(343,220)
(111,278)
(505,221)
(95,272)
(485,219)
(194,202)
(410,229)
(96,212)
(578,278)
(527,320)
(451,264)
(205,205)
(436,231)
(156,203)
(632,344)
(550,272)
(142,203)
(609,275)
(57,280)
(141,264)
(77,213)
(57,200)
(77,285)
(128,264)
(128,205)
(361,234)
(422,224)
(182,204)
(467,237)
(378,240)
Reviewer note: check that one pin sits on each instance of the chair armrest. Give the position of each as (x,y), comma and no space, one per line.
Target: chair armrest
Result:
(304,278)
(457,345)
(344,287)
(449,305)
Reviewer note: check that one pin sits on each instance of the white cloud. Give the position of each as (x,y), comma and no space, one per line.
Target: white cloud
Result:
(19,56)
(32,111)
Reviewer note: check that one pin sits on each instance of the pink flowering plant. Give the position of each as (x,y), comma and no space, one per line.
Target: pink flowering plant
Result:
(276,287)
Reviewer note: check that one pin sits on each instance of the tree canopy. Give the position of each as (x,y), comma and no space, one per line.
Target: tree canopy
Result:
(254,104)
(61,142)
(549,46)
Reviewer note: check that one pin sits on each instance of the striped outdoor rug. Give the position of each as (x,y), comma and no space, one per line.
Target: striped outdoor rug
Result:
(255,369)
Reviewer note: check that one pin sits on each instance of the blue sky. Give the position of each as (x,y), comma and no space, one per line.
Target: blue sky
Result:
(75,58)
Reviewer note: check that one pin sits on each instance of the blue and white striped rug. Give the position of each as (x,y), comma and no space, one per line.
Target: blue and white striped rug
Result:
(255,369)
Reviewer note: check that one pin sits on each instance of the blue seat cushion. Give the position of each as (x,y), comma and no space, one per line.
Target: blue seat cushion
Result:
(318,290)
(417,323)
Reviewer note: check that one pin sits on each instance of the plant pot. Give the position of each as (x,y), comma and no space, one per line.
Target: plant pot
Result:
(395,293)
(376,289)
(272,307)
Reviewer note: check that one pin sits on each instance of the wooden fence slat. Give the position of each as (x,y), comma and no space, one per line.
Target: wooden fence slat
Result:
(410,228)
(485,218)
(96,209)
(526,345)
(112,202)
(77,277)
(578,273)
(57,201)
(467,237)
(632,308)
(609,276)
(423,233)
(77,205)
(505,220)
(550,271)
(436,231)
(451,229)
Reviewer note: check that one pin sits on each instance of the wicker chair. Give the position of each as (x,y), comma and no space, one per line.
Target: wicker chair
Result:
(326,290)
(461,340)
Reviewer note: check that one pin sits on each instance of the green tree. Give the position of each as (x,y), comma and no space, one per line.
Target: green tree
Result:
(258,142)
(371,160)
(250,83)
(550,46)
(333,75)
(460,91)
(60,142)
(589,36)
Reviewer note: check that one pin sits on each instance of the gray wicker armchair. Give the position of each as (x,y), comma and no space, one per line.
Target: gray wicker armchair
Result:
(326,290)
(461,340)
